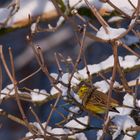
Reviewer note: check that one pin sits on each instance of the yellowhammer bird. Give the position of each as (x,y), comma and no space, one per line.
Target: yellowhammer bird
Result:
(94,100)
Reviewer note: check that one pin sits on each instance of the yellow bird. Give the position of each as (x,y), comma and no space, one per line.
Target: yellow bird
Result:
(94,100)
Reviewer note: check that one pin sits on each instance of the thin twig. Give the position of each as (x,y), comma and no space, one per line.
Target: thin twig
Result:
(130,50)
(115,53)
(16,92)
(5,65)
(97,15)
(38,120)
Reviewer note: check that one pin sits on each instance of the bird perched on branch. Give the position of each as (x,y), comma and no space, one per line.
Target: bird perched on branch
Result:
(94,100)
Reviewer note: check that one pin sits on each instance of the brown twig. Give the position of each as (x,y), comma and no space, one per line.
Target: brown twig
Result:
(13,118)
(39,122)
(75,12)
(97,15)
(5,65)
(115,53)
(58,64)
(16,92)
(130,50)
(117,9)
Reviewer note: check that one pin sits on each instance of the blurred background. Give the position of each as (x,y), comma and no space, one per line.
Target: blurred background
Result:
(62,41)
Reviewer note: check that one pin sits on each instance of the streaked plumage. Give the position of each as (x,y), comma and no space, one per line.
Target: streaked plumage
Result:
(94,100)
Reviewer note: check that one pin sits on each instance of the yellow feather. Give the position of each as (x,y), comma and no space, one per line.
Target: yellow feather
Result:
(94,100)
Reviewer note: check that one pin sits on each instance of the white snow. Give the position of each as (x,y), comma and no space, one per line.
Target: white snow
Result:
(132,21)
(76,97)
(59,131)
(32,8)
(8,90)
(54,75)
(37,95)
(95,68)
(75,124)
(126,137)
(36,8)
(128,123)
(76,78)
(122,119)
(125,6)
(128,101)
(33,27)
(65,78)
(61,87)
(4,14)
(74,109)
(109,62)
(83,72)
(40,131)
(56,131)
(115,19)
(29,134)
(138,103)
(131,59)
(123,122)
(130,39)
(99,134)
(78,136)
(104,86)
(60,21)
(112,33)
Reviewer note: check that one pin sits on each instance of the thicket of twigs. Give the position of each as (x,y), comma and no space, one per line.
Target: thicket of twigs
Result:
(78,121)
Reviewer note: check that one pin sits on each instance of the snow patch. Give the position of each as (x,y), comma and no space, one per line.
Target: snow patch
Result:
(113,33)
